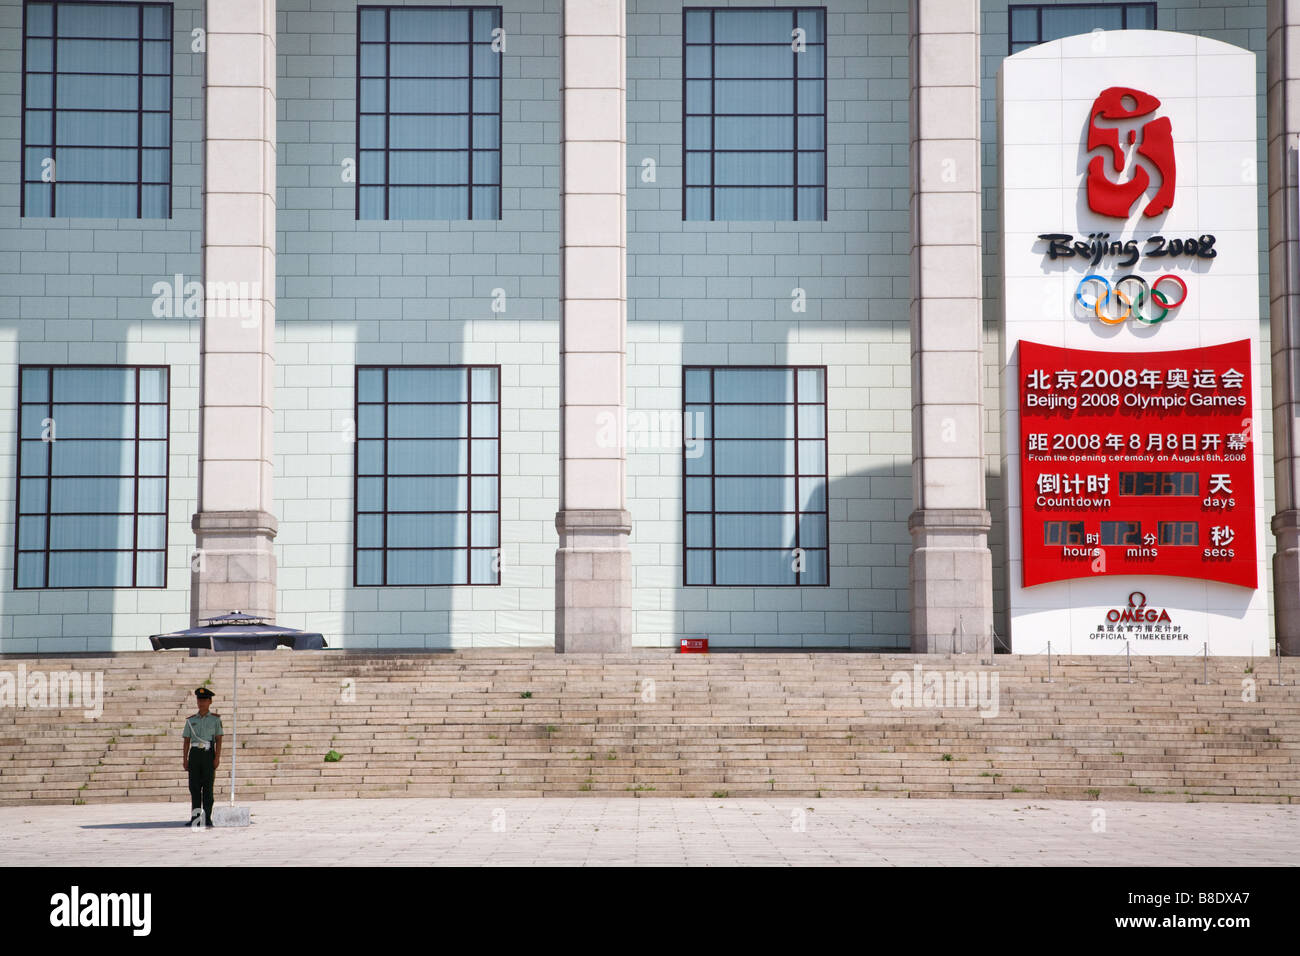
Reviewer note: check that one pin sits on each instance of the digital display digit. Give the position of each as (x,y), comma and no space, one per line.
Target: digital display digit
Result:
(1063,533)
(1127,533)
(1159,483)
(1179,533)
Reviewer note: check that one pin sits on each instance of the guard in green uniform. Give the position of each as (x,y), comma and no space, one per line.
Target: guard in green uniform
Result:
(202,757)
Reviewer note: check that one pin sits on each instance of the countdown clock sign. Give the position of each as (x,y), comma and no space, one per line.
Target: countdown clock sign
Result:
(1132,453)
(1137,463)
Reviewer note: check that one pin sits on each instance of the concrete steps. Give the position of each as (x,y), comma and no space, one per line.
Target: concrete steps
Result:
(653,723)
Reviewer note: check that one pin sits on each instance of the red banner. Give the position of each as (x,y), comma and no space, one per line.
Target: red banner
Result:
(1137,463)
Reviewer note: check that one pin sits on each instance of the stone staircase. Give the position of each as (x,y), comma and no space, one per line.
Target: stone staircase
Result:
(652,723)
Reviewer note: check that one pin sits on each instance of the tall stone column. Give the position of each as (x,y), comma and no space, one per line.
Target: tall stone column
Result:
(234,528)
(593,566)
(951,570)
(1284,310)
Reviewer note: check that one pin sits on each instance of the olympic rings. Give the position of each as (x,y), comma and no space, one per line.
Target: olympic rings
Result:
(1133,303)
(1142,294)
(1181,284)
(1078,290)
(1127,312)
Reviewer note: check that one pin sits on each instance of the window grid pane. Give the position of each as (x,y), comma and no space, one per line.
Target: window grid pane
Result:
(427,467)
(428,113)
(97,110)
(753,114)
(754,476)
(1031,24)
(93,493)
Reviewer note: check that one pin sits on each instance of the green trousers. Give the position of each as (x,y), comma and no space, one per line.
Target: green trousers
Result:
(203,776)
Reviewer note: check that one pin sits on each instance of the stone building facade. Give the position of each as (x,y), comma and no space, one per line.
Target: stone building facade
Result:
(661,243)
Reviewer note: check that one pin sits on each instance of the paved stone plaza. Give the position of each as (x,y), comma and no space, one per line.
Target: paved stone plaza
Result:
(655,831)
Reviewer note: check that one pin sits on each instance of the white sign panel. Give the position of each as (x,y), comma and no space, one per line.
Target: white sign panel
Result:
(1130,355)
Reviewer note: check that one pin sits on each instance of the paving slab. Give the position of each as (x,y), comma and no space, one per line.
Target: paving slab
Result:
(661,831)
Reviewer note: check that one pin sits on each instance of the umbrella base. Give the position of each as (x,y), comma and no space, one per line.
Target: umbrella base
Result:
(230,816)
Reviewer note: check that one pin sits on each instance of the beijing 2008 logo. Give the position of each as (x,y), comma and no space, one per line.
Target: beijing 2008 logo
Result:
(1120,107)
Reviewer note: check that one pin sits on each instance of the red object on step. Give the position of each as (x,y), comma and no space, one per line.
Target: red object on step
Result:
(695,645)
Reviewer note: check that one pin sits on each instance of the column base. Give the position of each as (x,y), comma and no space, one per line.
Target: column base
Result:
(1286,582)
(233,568)
(593,582)
(951,581)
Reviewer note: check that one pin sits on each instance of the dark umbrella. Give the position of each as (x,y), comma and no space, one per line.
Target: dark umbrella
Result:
(237,632)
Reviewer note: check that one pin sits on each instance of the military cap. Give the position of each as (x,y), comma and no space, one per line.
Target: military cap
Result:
(203,693)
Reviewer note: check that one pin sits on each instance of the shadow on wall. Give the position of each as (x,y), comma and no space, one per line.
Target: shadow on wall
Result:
(997,504)
(865,605)
(80,514)
(517,612)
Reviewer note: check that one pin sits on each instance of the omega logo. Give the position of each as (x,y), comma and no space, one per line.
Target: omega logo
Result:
(1137,611)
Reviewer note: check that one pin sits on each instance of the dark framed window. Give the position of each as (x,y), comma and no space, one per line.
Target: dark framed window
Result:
(97,109)
(92,477)
(754,476)
(428,113)
(428,466)
(754,113)
(1033,23)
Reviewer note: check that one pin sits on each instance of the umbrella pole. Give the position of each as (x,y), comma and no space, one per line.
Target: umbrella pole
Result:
(234,724)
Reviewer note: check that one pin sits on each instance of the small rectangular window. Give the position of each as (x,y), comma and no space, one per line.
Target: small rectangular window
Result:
(754,113)
(429,112)
(428,456)
(97,99)
(754,470)
(92,477)
(1034,23)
